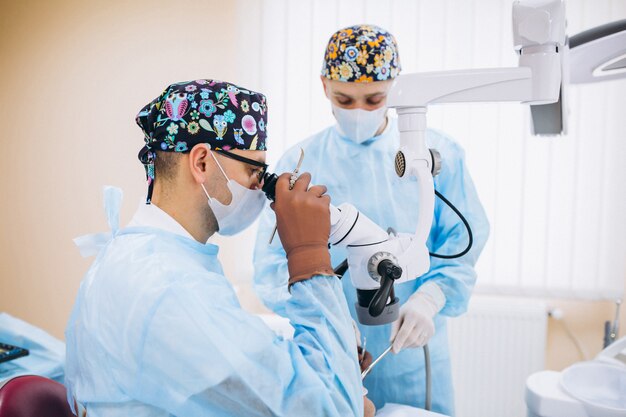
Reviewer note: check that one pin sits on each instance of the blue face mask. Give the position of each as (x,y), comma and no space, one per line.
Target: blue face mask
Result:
(359,125)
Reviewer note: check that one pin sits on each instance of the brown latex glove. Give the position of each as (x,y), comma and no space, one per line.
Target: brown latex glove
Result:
(303,220)
(365,358)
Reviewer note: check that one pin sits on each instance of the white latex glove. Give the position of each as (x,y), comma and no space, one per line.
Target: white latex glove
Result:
(415,325)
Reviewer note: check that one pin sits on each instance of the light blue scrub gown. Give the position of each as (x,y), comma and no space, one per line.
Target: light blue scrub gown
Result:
(364,176)
(157,331)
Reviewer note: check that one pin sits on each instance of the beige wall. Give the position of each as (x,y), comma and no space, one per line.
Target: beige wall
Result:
(73,74)
(586,320)
(72,77)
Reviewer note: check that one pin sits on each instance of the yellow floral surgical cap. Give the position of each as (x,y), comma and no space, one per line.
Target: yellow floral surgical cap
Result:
(361,54)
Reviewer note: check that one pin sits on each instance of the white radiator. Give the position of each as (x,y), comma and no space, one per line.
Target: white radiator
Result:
(494,347)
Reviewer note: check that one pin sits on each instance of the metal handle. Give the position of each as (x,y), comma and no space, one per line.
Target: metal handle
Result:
(369,368)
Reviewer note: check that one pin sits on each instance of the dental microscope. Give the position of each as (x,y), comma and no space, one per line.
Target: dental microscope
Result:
(378,258)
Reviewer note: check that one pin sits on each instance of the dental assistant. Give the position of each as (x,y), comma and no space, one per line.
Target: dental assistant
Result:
(354,158)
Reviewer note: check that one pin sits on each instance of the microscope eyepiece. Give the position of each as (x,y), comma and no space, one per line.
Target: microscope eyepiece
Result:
(269,185)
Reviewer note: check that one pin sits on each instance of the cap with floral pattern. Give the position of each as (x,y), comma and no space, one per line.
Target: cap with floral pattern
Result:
(362,54)
(217,113)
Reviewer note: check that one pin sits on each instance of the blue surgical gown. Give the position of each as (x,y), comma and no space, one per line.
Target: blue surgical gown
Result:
(364,176)
(157,330)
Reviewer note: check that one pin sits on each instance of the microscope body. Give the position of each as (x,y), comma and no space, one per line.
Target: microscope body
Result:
(377,259)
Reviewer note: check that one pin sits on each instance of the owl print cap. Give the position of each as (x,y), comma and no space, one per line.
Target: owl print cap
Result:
(217,113)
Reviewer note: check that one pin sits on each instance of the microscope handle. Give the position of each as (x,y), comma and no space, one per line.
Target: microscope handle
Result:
(379,301)
(388,272)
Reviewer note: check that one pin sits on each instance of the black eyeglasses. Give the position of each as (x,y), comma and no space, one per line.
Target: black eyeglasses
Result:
(245,160)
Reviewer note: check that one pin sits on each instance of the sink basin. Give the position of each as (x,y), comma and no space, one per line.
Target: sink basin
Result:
(601,387)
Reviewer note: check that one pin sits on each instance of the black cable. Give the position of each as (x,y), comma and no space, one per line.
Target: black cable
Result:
(339,270)
(467,226)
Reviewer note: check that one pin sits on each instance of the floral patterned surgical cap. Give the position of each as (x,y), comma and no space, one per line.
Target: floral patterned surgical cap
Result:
(361,54)
(217,113)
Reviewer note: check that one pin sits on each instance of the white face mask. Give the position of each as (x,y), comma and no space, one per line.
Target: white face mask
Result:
(359,125)
(243,210)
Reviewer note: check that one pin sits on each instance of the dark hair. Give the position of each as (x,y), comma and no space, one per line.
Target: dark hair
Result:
(166,165)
